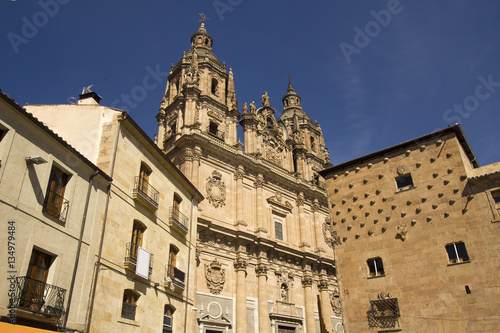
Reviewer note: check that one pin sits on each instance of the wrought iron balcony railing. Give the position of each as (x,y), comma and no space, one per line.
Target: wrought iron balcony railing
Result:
(146,191)
(56,206)
(177,276)
(128,310)
(38,297)
(131,256)
(178,219)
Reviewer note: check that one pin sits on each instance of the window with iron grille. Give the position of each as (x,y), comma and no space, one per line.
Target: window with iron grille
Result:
(457,253)
(375,267)
(168,319)
(129,305)
(384,313)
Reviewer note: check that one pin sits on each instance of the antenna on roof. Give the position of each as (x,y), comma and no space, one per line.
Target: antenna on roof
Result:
(203,17)
(87,89)
(72,100)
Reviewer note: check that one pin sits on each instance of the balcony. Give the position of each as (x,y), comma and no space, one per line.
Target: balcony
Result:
(178,220)
(56,206)
(39,298)
(145,193)
(174,278)
(130,261)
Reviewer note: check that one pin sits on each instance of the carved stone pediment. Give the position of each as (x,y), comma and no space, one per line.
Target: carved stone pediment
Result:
(278,204)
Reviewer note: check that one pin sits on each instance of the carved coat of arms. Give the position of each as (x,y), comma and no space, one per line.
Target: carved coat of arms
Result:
(215,277)
(216,189)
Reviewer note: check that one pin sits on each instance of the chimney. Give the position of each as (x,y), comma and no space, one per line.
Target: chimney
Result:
(89,98)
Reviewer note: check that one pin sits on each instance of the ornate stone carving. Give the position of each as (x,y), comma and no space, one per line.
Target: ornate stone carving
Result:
(259,181)
(336,305)
(400,170)
(332,239)
(322,285)
(300,199)
(402,231)
(261,269)
(307,281)
(315,206)
(273,153)
(245,108)
(239,172)
(215,277)
(216,189)
(240,264)
(283,276)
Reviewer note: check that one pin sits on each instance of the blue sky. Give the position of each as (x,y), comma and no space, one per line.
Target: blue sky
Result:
(372,73)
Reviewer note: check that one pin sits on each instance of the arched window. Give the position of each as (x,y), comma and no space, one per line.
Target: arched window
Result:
(215,84)
(313,145)
(144,174)
(129,305)
(269,123)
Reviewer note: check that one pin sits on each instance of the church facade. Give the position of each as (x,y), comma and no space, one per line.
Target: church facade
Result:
(264,253)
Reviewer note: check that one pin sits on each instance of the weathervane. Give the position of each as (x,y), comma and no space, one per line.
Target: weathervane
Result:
(203,17)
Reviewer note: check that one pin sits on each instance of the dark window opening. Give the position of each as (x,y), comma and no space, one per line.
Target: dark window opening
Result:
(467,290)
(129,304)
(404,181)
(269,123)
(215,84)
(376,267)
(2,133)
(496,198)
(213,128)
(313,146)
(55,204)
(457,253)
(278,230)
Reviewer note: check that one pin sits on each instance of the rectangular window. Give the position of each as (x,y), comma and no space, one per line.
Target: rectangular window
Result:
(278,230)
(375,267)
(144,178)
(2,133)
(404,182)
(34,286)
(137,233)
(55,204)
(457,253)
(496,198)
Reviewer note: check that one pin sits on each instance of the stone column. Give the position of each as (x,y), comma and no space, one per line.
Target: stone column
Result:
(317,224)
(187,162)
(259,183)
(238,176)
(195,169)
(309,304)
(302,221)
(240,267)
(261,271)
(326,308)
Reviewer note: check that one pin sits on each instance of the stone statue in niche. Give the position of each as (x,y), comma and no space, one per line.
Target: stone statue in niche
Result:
(215,277)
(216,189)
(284,293)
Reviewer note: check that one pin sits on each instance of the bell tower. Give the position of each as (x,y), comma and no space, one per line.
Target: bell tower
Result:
(199,96)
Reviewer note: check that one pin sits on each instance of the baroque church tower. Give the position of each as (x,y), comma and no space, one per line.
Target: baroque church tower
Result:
(264,246)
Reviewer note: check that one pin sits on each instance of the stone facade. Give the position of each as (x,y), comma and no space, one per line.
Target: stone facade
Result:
(264,246)
(51,203)
(418,238)
(144,281)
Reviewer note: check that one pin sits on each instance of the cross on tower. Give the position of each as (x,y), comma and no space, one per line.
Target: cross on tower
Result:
(203,17)
(289,78)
